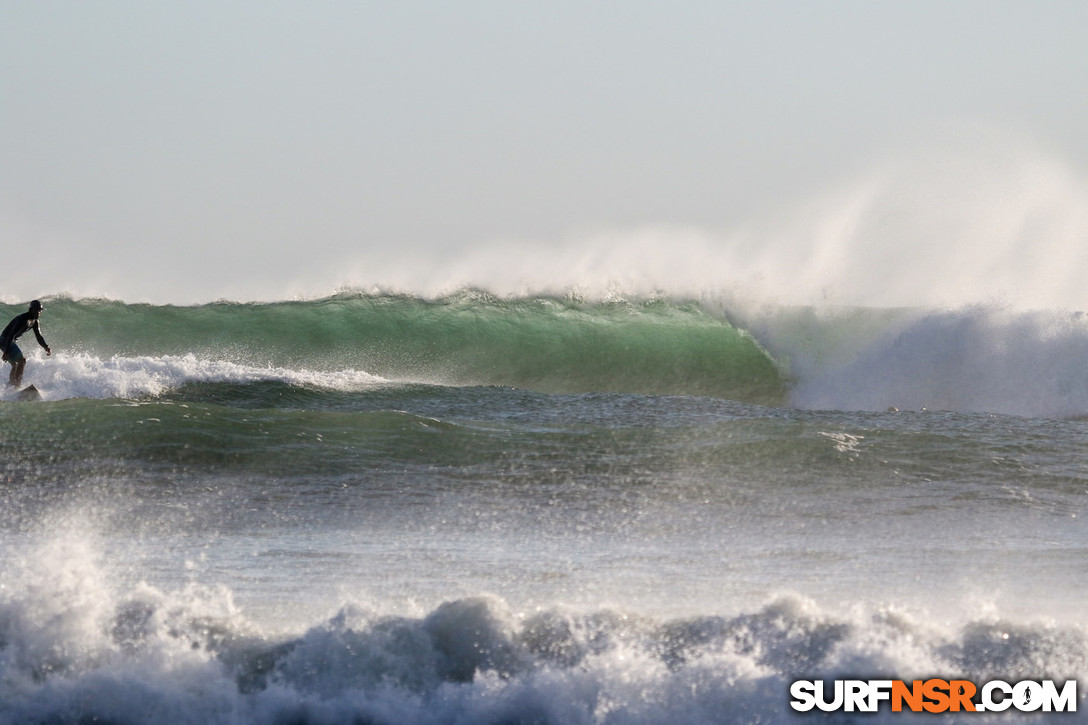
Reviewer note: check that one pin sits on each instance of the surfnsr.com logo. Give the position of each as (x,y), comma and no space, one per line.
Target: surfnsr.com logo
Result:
(933,695)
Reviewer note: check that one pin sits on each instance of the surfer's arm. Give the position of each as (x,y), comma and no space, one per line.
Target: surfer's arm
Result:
(41,340)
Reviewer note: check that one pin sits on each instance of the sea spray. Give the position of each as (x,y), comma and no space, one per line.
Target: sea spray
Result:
(965,215)
(981,359)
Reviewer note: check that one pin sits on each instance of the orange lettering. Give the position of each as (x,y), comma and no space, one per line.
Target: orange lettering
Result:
(912,695)
(935,691)
(961,693)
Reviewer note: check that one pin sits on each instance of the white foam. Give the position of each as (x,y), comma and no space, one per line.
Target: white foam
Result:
(81,375)
(979,360)
(82,638)
(73,646)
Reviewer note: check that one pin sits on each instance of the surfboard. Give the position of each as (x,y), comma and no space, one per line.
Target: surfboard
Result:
(29,393)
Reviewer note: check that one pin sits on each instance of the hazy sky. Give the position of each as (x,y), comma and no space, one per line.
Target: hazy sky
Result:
(202,149)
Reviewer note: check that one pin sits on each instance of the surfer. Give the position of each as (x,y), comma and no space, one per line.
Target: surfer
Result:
(12,354)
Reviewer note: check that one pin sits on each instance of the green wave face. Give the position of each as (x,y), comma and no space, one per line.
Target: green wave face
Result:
(544,344)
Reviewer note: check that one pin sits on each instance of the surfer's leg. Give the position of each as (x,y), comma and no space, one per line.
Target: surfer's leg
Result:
(16,377)
(18,362)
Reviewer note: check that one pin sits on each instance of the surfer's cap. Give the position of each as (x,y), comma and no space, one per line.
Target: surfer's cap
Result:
(36,305)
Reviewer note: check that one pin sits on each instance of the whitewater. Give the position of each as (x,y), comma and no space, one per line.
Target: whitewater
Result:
(647,478)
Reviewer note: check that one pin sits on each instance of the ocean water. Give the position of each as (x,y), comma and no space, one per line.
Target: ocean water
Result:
(497,509)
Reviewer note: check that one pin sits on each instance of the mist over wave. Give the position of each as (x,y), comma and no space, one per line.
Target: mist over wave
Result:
(971,217)
(966,215)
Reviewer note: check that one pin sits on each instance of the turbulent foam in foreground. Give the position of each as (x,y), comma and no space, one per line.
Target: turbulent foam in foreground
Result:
(77,648)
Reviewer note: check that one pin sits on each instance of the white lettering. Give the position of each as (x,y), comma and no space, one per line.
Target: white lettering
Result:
(804,697)
(1027,696)
(988,702)
(1065,701)
(822,703)
(879,690)
(856,695)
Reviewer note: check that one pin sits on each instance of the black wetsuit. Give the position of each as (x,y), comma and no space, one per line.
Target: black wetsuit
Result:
(17,327)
